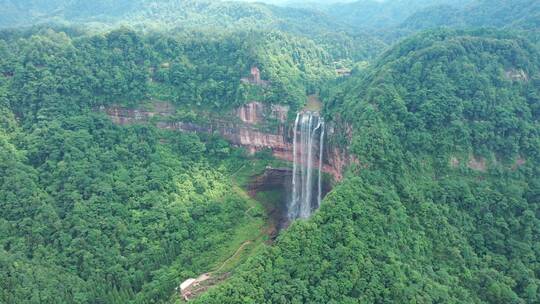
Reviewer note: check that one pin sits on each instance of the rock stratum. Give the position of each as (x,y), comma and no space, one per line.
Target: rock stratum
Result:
(254,126)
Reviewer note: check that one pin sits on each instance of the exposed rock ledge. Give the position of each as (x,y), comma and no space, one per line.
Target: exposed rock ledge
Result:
(254,126)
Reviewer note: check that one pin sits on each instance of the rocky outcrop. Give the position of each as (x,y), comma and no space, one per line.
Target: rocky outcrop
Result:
(337,161)
(124,116)
(251,113)
(258,113)
(255,78)
(254,126)
(337,156)
(481,164)
(516,75)
(248,137)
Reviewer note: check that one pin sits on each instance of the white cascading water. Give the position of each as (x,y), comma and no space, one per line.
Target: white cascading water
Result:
(308,135)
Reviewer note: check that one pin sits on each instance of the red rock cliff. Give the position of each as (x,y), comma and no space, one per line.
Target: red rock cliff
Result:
(254,126)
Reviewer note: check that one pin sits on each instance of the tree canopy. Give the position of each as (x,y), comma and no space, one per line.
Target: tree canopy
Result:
(439,205)
(443,205)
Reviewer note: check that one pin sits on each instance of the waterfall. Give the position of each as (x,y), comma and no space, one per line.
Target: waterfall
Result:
(308,144)
(321,147)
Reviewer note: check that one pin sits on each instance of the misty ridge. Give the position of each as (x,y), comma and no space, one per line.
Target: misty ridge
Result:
(365,14)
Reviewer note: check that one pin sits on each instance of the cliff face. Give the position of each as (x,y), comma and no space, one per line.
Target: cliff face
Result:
(125,116)
(338,157)
(254,126)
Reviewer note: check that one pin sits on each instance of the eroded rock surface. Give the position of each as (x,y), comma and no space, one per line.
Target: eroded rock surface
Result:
(516,75)
(255,126)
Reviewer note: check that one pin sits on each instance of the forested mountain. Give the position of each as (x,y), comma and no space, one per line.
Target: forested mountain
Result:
(304,3)
(377,15)
(443,206)
(93,212)
(185,13)
(193,68)
(523,14)
(117,183)
(171,15)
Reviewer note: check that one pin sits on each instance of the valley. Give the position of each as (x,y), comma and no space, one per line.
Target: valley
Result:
(207,151)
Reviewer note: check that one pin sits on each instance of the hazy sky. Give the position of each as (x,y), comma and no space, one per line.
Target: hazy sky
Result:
(297,1)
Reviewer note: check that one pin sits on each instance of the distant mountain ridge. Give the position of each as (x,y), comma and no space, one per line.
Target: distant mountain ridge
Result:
(194,15)
(307,18)
(184,13)
(377,14)
(523,14)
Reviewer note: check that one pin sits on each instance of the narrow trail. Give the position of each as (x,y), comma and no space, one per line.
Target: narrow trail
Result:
(233,256)
(210,279)
(247,211)
(205,281)
(236,172)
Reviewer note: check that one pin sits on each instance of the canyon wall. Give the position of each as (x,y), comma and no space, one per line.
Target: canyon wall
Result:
(337,156)
(254,126)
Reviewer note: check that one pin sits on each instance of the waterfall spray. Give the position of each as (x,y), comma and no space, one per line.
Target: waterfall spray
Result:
(293,204)
(306,128)
(321,149)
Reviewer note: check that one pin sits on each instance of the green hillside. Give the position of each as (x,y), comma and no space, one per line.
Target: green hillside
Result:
(523,14)
(431,108)
(443,207)
(380,15)
(98,213)
(171,14)
(337,38)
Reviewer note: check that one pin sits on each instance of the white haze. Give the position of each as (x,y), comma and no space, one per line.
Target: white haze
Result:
(296,2)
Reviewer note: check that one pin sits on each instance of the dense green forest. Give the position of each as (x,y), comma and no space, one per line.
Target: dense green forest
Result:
(418,222)
(441,206)
(171,15)
(94,213)
(97,213)
(524,14)
(190,68)
(375,14)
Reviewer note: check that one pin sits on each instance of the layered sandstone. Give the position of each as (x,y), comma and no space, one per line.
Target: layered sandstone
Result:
(254,126)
